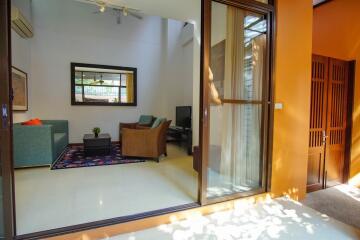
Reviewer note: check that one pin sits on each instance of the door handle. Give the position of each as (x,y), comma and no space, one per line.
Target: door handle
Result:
(4,116)
(324,137)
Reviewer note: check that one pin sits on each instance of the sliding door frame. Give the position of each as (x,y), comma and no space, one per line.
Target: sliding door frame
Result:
(6,167)
(8,172)
(268,97)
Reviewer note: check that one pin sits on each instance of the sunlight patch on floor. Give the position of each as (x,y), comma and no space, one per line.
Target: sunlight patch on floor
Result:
(350,191)
(273,219)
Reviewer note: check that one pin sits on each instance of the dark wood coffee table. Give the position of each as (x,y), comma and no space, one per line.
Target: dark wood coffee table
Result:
(97,146)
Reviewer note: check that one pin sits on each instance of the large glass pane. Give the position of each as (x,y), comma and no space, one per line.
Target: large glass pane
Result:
(238,50)
(235,147)
(238,45)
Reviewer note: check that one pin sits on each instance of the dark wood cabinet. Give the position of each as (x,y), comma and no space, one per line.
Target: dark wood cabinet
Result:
(98,146)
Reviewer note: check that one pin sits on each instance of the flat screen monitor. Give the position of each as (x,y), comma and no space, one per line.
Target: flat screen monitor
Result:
(183,116)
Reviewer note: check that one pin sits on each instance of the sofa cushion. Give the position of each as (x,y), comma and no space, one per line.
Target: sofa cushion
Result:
(32,122)
(145,119)
(60,142)
(158,121)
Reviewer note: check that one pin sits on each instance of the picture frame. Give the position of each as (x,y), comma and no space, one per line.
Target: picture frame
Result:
(103,85)
(20,89)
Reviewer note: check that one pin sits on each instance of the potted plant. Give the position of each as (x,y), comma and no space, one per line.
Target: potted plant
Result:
(96,131)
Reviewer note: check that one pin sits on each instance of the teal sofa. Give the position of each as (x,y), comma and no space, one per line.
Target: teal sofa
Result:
(39,145)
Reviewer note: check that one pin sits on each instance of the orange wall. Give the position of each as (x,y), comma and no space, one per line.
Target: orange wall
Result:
(336,33)
(292,88)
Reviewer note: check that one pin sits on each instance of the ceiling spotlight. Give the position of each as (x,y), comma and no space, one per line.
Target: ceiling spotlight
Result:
(102,8)
(125,12)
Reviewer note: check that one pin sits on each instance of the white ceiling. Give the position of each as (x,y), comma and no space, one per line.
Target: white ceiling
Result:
(183,10)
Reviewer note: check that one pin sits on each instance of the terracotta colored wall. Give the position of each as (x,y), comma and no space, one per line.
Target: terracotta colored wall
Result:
(292,88)
(336,33)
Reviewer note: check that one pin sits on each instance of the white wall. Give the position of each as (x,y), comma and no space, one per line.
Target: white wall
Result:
(85,37)
(177,78)
(21,54)
(183,10)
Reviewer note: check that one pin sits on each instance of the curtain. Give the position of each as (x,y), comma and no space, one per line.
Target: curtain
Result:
(233,152)
(241,125)
(258,47)
(130,87)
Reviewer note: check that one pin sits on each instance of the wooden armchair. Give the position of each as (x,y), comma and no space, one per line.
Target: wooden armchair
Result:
(145,121)
(150,142)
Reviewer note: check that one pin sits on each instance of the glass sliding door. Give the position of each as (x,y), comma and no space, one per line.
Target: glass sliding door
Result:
(238,102)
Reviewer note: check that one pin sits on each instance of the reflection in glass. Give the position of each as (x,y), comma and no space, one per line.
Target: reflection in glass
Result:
(101,94)
(96,85)
(234,153)
(238,47)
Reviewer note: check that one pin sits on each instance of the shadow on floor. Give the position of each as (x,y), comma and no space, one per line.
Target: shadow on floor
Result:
(341,202)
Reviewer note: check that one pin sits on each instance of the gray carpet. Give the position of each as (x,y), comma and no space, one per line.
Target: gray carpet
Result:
(341,202)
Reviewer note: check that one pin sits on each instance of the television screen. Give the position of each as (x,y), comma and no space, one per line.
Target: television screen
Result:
(183,116)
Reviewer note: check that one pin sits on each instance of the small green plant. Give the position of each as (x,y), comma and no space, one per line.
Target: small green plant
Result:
(96,131)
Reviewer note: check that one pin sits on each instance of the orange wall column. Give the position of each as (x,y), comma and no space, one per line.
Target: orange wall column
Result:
(292,88)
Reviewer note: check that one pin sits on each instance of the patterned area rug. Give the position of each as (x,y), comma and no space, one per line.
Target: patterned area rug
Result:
(74,157)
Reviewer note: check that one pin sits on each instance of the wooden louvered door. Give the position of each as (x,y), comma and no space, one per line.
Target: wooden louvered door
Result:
(336,121)
(329,87)
(319,86)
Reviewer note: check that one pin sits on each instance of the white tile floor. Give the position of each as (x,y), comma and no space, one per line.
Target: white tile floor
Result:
(280,219)
(48,199)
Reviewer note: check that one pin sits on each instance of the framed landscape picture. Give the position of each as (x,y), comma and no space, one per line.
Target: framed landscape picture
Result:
(20,88)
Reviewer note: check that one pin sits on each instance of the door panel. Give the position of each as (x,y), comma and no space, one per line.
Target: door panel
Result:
(236,100)
(238,57)
(336,121)
(6,172)
(329,87)
(319,85)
